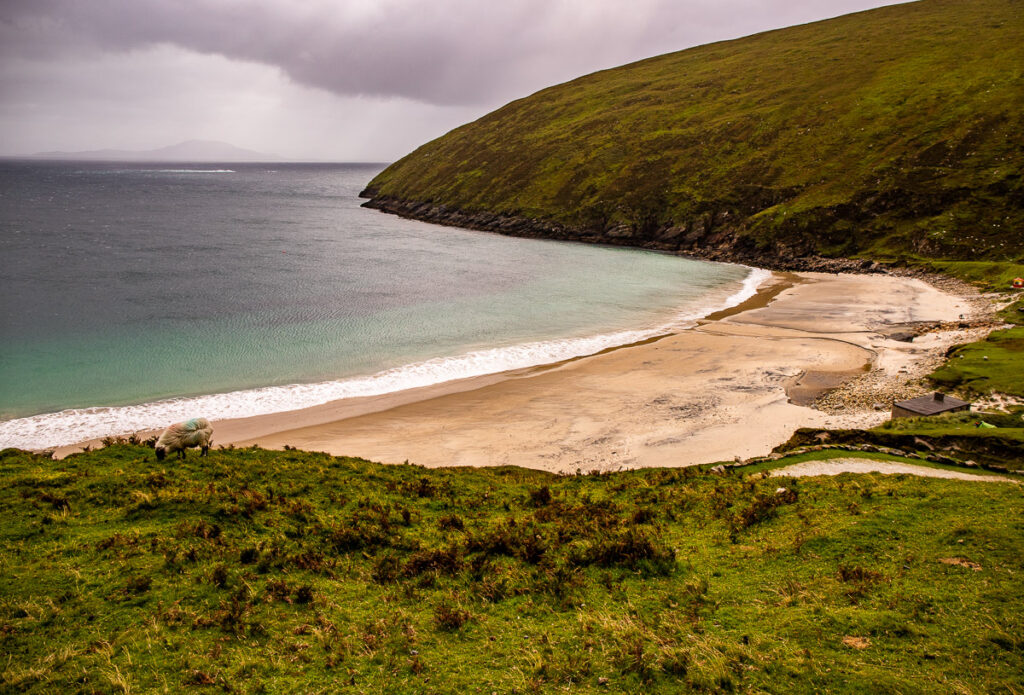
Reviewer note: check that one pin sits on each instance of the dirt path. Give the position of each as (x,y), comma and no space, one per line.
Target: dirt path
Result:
(854,465)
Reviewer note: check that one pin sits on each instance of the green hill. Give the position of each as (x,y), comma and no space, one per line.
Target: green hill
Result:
(254,571)
(896,133)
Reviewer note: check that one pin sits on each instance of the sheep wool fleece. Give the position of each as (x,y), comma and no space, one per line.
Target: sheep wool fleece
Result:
(194,432)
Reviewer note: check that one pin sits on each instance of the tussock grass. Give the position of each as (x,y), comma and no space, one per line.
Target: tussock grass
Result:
(258,571)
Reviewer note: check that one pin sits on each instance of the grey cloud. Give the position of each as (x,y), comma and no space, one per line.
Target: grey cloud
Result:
(447,52)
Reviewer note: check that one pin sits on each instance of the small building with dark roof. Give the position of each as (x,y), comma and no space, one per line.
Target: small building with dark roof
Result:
(934,404)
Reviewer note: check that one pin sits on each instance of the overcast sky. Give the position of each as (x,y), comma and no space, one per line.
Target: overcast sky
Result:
(343,80)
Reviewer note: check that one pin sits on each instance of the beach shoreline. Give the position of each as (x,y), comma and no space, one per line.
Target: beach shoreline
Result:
(727,388)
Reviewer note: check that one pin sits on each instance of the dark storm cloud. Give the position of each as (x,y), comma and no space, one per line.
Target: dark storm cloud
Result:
(441,52)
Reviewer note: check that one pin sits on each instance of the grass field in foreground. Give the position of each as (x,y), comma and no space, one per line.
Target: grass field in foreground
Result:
(258,571)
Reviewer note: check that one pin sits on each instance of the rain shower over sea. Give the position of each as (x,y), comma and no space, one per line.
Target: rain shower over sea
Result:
(137,295)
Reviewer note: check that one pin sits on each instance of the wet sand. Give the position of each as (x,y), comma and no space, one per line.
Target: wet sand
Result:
(715,392)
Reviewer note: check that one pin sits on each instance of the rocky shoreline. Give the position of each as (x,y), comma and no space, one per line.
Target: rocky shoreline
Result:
(709,237)
(876,389)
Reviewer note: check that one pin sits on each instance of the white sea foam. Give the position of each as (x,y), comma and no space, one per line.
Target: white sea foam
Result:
(76,425)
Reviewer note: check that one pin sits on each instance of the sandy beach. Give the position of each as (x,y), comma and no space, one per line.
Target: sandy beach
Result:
(736,385)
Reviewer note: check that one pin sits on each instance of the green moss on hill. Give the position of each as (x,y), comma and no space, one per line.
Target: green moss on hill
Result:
(896,133)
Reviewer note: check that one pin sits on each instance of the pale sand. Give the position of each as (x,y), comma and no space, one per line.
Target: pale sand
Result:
(711,393)
(855,465)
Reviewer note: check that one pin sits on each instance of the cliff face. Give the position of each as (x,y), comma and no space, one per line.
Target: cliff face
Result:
(889,134)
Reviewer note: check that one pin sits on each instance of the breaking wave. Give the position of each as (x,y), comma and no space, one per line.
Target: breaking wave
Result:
(80,424)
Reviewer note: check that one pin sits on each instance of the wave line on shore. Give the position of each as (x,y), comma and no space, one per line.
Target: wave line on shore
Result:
(82,424)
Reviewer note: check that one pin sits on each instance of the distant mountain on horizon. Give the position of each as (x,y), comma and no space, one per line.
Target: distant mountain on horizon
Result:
(188,151)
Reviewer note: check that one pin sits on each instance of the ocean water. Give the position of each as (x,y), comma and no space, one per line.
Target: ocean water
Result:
(135,295)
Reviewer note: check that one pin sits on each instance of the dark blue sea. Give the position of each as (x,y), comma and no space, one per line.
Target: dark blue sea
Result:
(134,295)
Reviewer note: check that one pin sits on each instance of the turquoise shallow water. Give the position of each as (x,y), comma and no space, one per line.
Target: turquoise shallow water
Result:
(138,295)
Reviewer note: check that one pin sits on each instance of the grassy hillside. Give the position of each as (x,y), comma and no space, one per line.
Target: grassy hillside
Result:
(263,572)
(896,133)
(995,364)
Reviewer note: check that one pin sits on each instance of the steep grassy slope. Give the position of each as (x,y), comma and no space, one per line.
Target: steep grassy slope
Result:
(279,572)
(893,133)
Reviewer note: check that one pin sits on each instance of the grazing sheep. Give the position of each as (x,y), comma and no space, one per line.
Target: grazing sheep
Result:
(183,435)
